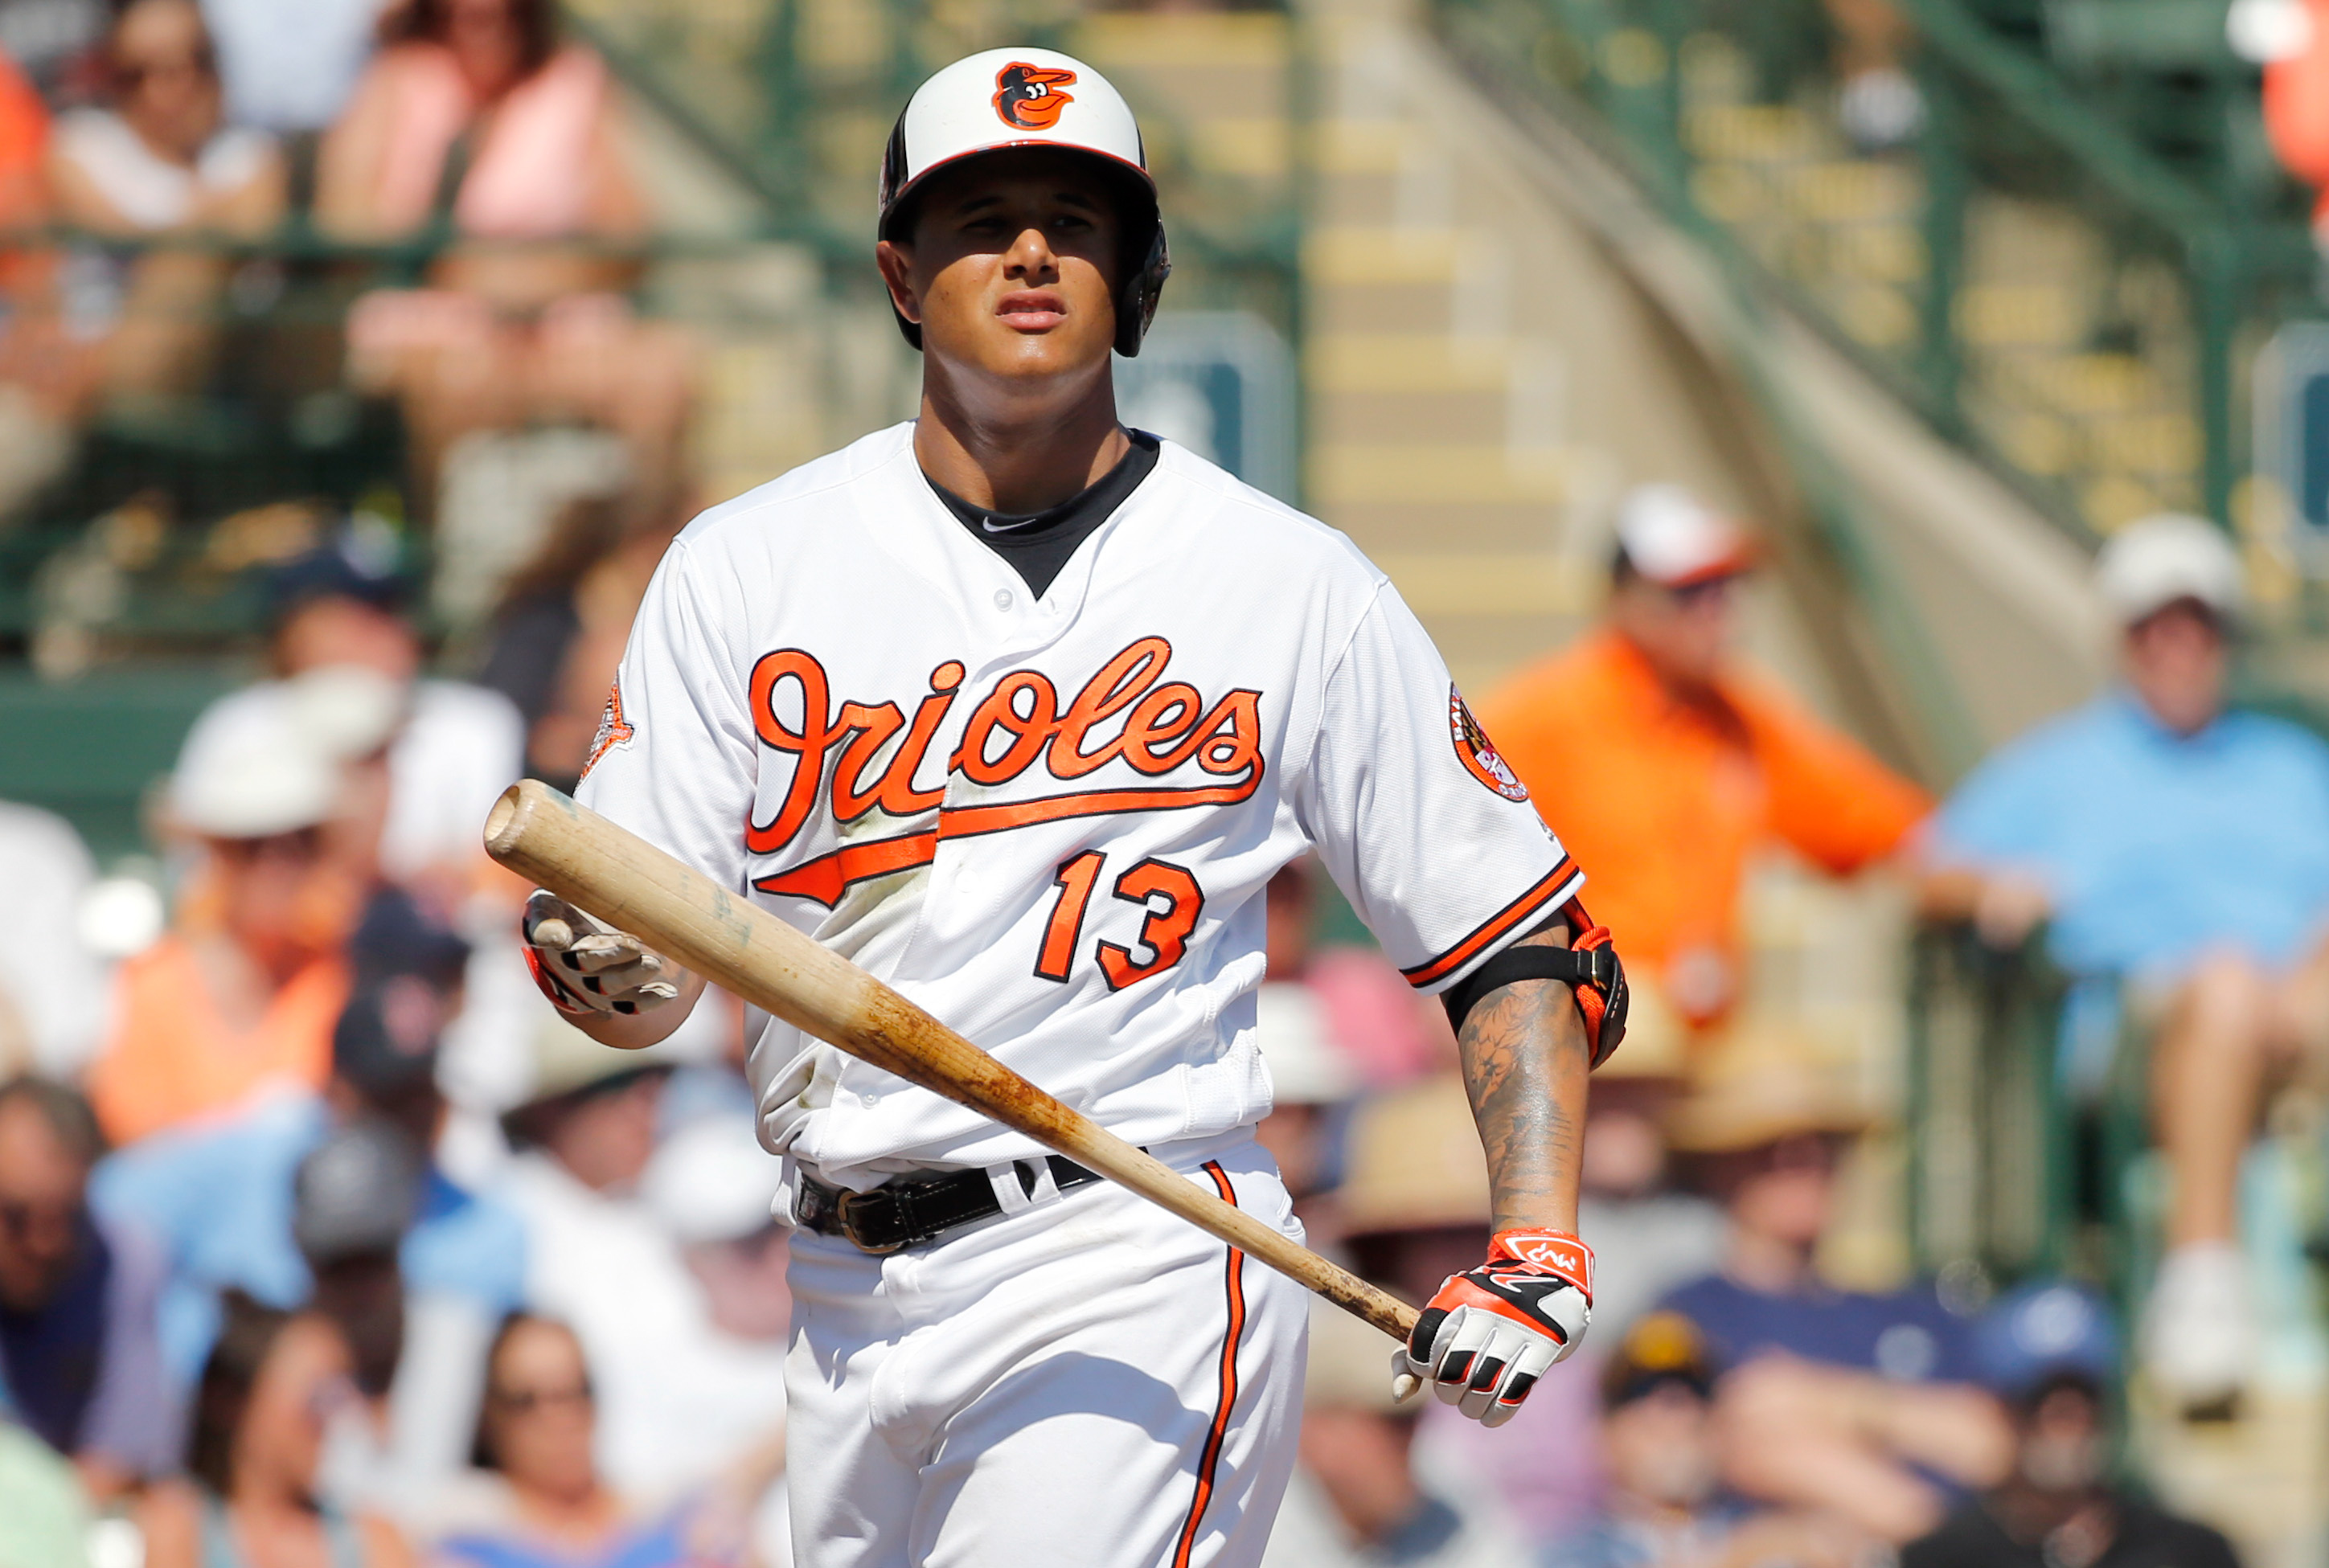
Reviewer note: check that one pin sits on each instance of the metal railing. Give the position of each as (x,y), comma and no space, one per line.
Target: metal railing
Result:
(2026,1157)
(796,99)
(2038,283)
(1991,1159)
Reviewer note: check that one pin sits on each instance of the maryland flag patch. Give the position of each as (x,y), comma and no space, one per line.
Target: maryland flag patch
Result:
(1478,753)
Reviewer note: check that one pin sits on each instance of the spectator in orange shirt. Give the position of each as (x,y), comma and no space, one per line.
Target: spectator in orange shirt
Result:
(39,367)
(1664,766)
(24,145)
(244,993)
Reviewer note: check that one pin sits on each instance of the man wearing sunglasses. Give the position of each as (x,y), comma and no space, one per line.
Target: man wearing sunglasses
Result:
(1667,765)
(80,1363)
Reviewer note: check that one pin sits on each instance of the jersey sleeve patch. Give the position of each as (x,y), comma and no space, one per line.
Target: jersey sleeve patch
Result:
(614,729)
(1477,753)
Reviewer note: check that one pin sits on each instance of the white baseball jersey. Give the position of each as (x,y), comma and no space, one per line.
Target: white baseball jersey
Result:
(1047,819)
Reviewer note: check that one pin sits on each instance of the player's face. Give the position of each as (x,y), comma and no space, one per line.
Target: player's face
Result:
(1011,269)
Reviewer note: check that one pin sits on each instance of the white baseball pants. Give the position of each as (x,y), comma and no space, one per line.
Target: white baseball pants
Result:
(1091,1382)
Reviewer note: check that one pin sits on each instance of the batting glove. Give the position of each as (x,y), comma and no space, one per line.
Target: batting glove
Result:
(583,966)
(1489,1334)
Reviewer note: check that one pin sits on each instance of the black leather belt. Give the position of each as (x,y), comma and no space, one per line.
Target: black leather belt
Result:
(914,1209)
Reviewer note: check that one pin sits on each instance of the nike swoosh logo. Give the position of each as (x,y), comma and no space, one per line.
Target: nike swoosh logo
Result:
(991,526)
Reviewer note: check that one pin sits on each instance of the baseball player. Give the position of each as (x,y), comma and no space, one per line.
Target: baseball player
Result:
(1019,709)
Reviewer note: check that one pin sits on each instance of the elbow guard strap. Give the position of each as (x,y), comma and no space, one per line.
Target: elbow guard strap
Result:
(1589,967)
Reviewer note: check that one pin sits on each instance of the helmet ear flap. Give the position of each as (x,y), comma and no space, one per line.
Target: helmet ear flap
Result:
(893,181)
(1136,304)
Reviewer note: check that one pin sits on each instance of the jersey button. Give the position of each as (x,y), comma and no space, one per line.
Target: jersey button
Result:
(1002,598)
(868,1101)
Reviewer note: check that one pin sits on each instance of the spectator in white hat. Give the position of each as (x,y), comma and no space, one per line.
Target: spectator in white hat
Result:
(2179,852)
(243,992)
(421,759)
(434,753)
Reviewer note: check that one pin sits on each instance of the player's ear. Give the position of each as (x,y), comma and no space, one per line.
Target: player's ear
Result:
(897,264)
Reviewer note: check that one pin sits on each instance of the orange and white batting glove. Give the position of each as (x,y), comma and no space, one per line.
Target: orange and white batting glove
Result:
(1490,1333)
(584,966)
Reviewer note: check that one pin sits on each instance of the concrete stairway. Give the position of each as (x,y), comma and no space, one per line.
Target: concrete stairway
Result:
(1438,430)
(1504,336)
(2111,426)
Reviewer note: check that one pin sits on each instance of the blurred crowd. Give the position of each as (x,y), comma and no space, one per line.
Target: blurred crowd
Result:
(323,1237)
(324,1240)
(450,181)
(1736,1403)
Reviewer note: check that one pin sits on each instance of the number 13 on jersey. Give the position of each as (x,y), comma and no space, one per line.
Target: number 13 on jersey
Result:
(1167,892)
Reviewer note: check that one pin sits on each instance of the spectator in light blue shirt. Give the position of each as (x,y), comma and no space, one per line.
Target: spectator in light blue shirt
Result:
(220,1198)
(2183,850)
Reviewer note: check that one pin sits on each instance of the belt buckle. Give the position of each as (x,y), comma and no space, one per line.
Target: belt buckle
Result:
(845,1216)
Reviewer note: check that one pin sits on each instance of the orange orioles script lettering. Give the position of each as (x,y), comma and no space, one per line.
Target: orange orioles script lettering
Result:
(857,755)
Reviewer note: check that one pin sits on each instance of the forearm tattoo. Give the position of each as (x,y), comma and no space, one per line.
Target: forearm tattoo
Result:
(1525,1059)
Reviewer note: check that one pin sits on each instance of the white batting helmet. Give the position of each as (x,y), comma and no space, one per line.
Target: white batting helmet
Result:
(1006,98)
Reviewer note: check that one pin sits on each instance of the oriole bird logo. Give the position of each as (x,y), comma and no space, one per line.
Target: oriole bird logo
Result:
(1028,96)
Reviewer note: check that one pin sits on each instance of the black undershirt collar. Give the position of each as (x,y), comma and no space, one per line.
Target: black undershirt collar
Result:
(1037,544)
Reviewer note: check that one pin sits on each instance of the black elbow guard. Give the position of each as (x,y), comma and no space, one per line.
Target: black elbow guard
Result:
(1589,967)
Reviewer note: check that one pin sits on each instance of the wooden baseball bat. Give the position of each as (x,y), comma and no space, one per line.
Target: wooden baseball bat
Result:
(676,910)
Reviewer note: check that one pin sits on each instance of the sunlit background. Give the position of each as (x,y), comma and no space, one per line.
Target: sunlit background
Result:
(1933,296)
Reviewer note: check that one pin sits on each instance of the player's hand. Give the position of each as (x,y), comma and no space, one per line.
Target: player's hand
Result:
(584,966)
(1489,1334)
